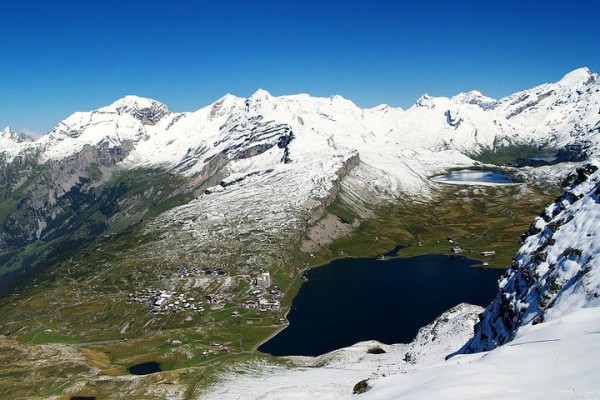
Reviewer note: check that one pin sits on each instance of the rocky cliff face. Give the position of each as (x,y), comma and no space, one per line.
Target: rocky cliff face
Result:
(557,271)
(40,194)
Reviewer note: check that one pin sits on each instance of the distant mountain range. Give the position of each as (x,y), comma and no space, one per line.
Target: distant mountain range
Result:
(280,160)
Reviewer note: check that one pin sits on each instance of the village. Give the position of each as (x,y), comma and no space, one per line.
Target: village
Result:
(261,295)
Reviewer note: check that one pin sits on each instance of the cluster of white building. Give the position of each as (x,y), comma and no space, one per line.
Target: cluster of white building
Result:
(165,302)
(264,300)
(169,302)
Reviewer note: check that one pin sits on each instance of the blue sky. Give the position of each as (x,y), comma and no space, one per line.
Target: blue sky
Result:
(57,57)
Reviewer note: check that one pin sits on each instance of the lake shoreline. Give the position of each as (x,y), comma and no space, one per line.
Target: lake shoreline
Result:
(414,291)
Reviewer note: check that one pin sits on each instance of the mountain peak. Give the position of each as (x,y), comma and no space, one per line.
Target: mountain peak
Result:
(425,101)
(576,76)
(382,106)
(474,97)
(261,94)
(133,101)
(10,133)
(148,111)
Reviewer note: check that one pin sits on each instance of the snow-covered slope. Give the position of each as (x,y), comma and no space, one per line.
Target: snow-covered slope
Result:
(565,111)
(555,272)
(538,338)
(542,328)
(283,157)
(554,360)
(122,122)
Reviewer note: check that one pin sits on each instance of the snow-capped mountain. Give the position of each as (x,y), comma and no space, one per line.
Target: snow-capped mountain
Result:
(264,168)
(9,134)
(554,114)
(242,181)
(13,143)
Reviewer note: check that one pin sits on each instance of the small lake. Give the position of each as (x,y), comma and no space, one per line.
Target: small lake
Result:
(144,368)
(357,299)
(544,157)
(474,177)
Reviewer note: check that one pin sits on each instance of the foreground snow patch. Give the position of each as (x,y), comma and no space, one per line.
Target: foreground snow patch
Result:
(554,360)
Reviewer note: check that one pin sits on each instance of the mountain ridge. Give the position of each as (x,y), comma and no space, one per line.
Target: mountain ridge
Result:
(297,148)
(572,80)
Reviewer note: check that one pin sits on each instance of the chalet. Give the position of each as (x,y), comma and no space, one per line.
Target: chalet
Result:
(161,299)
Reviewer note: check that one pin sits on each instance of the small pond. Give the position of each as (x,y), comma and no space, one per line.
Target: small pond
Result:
(357,299)
(144,368)
(548,158)
(474,177)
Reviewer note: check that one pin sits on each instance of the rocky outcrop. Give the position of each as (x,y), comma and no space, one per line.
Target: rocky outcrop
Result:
(64,204)
(557,269)
(319,211)
(322,228)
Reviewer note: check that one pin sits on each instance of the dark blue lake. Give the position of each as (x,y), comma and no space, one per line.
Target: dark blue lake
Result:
(353,300)
(474,177)
(144,368)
